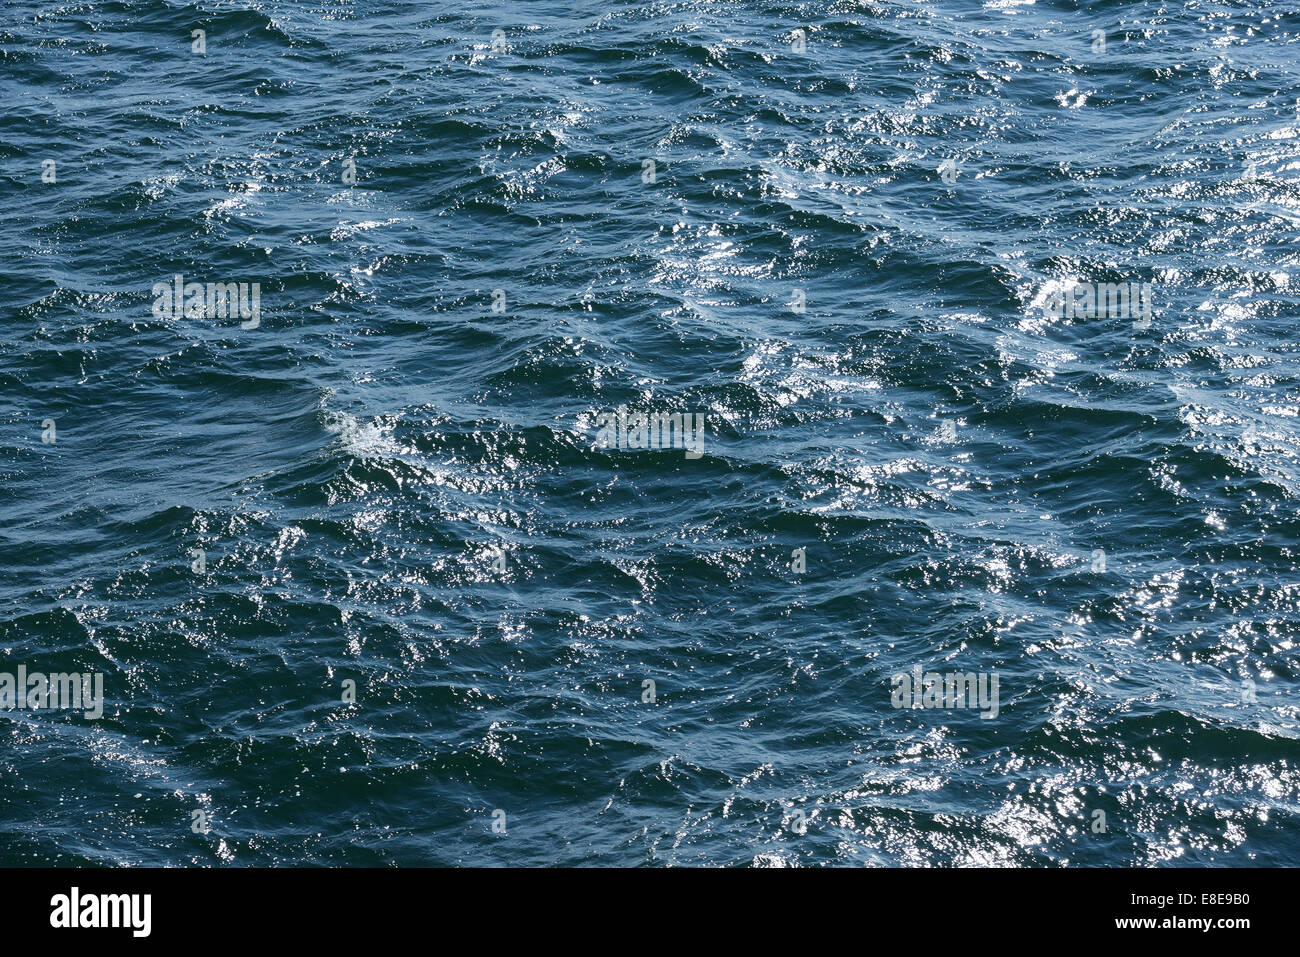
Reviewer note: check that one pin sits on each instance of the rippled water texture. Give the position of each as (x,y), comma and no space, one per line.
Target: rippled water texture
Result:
(396,485)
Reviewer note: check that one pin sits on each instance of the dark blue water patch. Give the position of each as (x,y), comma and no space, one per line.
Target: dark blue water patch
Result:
(905,462)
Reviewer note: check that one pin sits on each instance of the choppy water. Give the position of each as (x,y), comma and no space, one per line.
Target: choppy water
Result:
(393,484)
